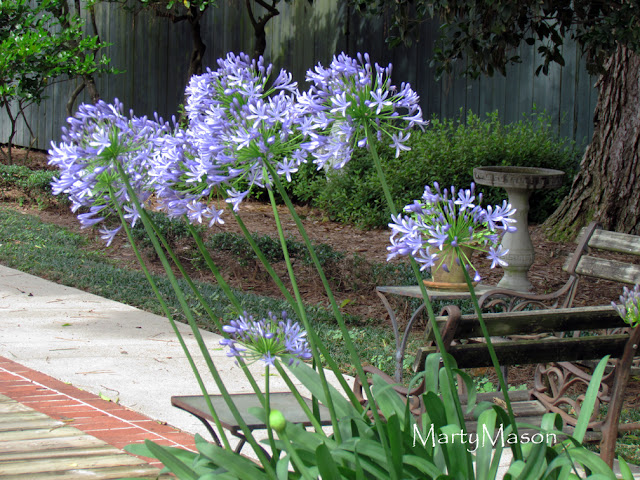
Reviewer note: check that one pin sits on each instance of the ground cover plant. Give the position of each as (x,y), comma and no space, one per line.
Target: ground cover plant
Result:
(245,130)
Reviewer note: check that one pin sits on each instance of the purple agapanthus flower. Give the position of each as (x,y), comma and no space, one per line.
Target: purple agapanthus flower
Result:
(266,339)
(353,99)
(629,307)
(240,124)
(98,138)
(450,218)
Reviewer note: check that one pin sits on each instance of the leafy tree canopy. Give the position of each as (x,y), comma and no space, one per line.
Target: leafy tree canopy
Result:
(36,48)
(487,32)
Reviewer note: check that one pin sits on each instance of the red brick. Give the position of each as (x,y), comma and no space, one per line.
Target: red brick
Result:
(48,403)
(156,427)
(101,423)
(107,421)
(80,412)
(129,415)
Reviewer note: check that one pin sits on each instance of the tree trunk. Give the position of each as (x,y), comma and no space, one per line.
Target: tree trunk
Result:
(606,188)
(199,47)
(260,35)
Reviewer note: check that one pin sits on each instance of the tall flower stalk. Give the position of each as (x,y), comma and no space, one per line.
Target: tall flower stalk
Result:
(247,129)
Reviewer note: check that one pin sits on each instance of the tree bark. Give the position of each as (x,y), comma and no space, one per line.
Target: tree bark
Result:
(199,47)
(606,188)
(259,24)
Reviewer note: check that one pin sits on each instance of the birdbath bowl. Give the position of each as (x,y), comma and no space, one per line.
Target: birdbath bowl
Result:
(519,182)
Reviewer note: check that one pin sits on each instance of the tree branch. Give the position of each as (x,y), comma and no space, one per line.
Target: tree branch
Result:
(73,97)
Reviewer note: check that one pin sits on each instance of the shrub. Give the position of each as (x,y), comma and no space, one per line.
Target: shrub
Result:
(34,184)
(446,152)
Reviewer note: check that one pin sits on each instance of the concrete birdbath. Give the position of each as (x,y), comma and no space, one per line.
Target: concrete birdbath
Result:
(519,182)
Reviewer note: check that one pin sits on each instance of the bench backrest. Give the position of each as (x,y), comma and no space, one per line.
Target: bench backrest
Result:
(593,240)
(589,259)
(458,329)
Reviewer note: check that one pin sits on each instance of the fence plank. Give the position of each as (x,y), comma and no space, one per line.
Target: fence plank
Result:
(155,53)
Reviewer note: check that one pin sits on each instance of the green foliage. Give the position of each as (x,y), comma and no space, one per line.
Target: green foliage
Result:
(486,32)
(446,152)
(178,6)
(174,230)
(401,446)
(35,184)
(36,48)
(240,247)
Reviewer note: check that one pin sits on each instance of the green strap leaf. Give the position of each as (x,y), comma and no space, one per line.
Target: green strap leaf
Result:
(171,461)
(311,380)
(326,465)
(239,466)
(589,400)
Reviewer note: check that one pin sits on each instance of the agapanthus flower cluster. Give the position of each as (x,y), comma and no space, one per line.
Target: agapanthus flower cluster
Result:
(243,126)
(97,139)
(266,339)
(629,307)
(239,122)
(354,99)
(450,218)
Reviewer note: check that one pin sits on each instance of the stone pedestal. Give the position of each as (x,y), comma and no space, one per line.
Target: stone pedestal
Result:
(519,182)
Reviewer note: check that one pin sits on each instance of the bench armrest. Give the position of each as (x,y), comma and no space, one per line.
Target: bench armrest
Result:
(501,299)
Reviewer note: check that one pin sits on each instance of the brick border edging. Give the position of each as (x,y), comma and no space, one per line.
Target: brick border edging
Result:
(110,422)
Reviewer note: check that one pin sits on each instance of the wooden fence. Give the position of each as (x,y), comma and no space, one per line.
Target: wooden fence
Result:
(154,55)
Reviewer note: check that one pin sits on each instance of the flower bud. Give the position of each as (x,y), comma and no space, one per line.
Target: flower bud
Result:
(277,420)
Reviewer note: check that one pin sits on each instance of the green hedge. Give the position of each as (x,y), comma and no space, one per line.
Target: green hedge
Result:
(446,152)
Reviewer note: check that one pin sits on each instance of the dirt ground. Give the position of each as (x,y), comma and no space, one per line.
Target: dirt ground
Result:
(546,274)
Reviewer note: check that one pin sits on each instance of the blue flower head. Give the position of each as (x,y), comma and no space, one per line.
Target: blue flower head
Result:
(98,138)
(352,97)
(450,218)
(266,339)
(240,121)
(629,307)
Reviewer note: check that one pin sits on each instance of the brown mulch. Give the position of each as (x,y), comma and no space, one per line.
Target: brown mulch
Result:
(358,296)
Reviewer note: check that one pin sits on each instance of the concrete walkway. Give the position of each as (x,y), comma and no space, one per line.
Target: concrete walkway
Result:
(109,349)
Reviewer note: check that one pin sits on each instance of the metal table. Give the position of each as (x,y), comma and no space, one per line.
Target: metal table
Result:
(283,401)
(414,292)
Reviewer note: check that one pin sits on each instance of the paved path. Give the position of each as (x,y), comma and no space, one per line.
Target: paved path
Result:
(107,348)
(61,345)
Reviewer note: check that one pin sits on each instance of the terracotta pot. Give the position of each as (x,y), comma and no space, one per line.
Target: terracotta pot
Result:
(456,273)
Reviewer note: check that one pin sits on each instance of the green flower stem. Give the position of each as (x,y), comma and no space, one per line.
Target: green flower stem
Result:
(224,285)
(305,408)
(178,264)
(336,310)
(311,332)
(194,327)
(266,264)
(165,309)
(416,269)
(423,290)
(216,273)
(303,317)
(275,453)
(338,315)
(494,360)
